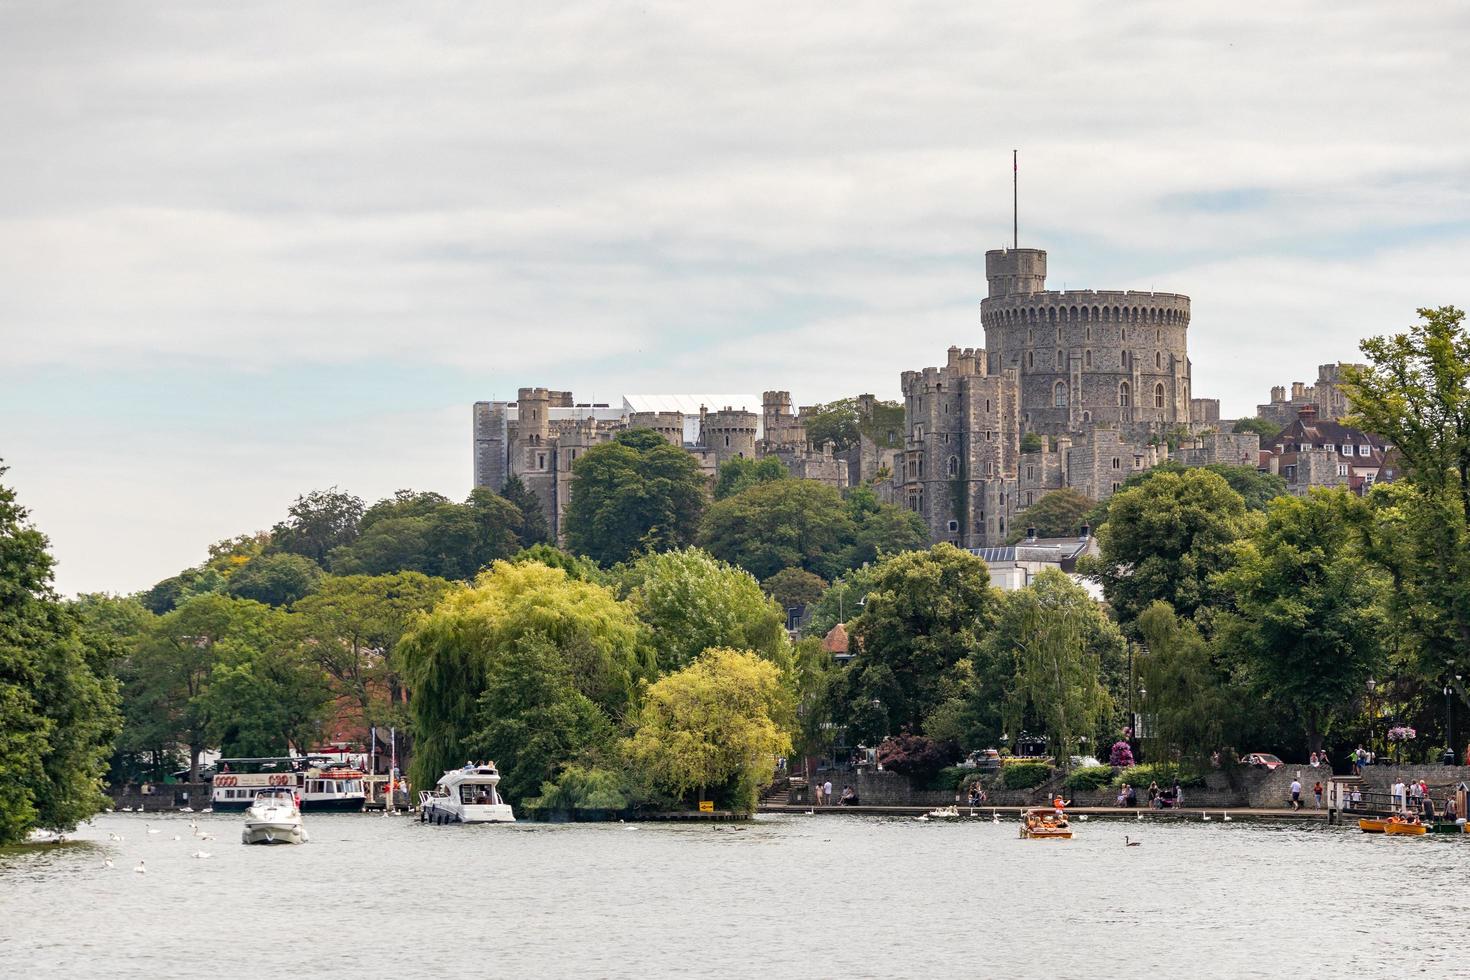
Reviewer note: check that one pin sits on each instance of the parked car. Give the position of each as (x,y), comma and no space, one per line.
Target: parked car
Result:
(1263,759)
(1081,761)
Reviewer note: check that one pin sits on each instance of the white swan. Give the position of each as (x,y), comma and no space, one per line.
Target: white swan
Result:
(200,854)
(1204,816)
(107,862)
(1226,817)
(140,869)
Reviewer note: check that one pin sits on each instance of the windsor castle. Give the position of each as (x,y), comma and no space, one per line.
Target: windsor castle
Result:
(1074,388)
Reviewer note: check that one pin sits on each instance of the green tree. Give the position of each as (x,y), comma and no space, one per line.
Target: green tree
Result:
(425,532)
(1060,644)
(1031,442)
(576,567)
(786,524)
(836,422)
(1308,618)
(716,725)
(1257,489)
(531,718)
(1060,513)
(843,600)
(533,529)
(792,587)
(276,580)
(449,656)
(175,663)
(880,529)
(319,522)
(175,590)
(1265,428)
(927,611)
(58,703)
(1164,539)
(1416,395)
(740,474)
(1191,698)
(633,495)
(351,626)
(691,602)
(264,702)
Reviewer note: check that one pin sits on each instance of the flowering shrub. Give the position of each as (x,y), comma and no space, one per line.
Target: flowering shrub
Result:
(916,756)
(1402,733)
(1122,755)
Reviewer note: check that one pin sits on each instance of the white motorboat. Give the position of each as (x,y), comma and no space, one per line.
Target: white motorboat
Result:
(274,818)
(466,795)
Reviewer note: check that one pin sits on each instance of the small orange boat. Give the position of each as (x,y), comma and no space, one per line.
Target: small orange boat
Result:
(1369,825)
(1045,823)
(1410,827)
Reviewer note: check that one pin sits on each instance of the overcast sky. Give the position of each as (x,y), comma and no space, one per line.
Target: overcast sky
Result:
(251,249)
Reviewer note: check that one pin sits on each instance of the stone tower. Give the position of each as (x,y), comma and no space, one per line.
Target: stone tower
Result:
(729,433)
(1086,357)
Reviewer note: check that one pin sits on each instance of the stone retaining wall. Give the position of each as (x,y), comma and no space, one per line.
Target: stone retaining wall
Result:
(165,796)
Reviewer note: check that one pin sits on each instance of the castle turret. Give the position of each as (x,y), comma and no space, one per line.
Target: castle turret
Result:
(1015,271)
(729,433)
(533,422)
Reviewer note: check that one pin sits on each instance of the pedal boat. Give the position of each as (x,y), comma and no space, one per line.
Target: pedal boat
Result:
(1406,828)
(1045,823)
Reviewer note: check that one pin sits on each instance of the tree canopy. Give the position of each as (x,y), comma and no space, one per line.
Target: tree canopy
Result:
(1058,514)
(317,523)
(717,725)
(691,602)
(633,495)
(451,656)
(1164,539)
(58,702)
(740,474)
(276,580)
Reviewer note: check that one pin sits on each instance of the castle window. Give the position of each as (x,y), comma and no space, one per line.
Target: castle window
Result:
(954,466)
(1030,358)
(727,440)
(987,405)
(1030,498)
(1089,332)
(954,526)
(541,461)
(1124,394)
(1061,360)
(1059,394)
(1087,356)
(1123,333)
(1030,336)
(1158,336)
(1087,416)
(1116,486)
(1117,463)
(1158,359)
(921,467)
(1030,472)
(1159,395)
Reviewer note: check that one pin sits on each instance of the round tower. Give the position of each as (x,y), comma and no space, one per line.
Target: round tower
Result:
(730,433)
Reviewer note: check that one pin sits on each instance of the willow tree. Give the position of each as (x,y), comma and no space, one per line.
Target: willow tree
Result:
(717,725)
(1060,641)
(450,657)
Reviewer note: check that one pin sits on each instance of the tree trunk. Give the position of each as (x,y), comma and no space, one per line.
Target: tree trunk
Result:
(194,753)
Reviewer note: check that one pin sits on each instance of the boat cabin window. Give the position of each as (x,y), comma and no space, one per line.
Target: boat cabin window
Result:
(480,795)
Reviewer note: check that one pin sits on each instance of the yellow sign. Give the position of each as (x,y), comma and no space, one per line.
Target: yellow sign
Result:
(706,806)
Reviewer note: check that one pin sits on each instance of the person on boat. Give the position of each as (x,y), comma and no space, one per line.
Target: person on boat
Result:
(1060,805)
(1428,808)
(469,765)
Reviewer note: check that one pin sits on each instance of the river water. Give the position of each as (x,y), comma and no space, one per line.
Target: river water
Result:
(823,896)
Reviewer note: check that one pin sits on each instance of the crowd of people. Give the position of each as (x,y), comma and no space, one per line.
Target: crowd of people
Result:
(1166,798)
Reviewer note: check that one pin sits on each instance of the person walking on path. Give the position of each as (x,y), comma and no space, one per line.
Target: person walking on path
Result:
(1296,793)
(817,794)
(1317,792)
(827,792)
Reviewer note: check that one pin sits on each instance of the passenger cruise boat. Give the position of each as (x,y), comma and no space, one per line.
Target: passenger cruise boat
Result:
(318,783)
(466,796)
(273,818)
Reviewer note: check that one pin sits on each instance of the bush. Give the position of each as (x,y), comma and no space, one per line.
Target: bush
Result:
(1121,755)
(1163,773)
(1090,777)
(950,777)
(1024,775)
(916,756)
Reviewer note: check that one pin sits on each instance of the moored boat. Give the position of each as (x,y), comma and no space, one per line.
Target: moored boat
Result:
(273,818)
(1410,827)
(320,784)
(1045,823)
(466,795)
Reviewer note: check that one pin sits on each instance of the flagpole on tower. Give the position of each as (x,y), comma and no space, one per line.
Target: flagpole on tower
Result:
(1015,201)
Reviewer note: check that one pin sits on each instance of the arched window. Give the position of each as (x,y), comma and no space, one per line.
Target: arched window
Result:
(1030,358)
(1030,336)
(1158,359)
(954,466)
(1061,360)
(1087,357)
(1124,394)
(1059,394)
(1159,395)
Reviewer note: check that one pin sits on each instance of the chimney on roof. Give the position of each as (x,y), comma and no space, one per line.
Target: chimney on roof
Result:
(1307,413)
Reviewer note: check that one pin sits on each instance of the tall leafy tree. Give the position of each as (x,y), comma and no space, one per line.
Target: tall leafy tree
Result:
(1061,646)
(426,532)
(58,703)
(880,529)
(265,702)
(717,726)
(691,602)
(276,580)
(633,495)
(351,627)
(1192,701)
(317,523)
(927,610)
(1164,539)
(740,474)
(792,587)
(533,529)
(1058,514)
(1308,618)
(785,524)
(449,657)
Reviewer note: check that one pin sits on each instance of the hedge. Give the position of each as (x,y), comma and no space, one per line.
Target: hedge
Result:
(1024,775)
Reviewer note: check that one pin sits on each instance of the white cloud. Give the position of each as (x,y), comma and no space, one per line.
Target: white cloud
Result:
(618,198)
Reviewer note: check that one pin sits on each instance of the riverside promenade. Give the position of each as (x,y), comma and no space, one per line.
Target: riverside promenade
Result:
(1101,812)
